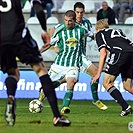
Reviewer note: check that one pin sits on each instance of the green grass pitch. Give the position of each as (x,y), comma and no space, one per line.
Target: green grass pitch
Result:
(85,118)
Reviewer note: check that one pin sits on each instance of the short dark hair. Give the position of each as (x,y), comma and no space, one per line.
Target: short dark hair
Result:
(71,13)
(79,5)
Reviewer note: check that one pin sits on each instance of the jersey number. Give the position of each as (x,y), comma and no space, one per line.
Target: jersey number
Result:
(116,33)
(7,7)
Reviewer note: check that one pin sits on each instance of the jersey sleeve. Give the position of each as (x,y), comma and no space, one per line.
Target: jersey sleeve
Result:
(100,41)
(58,28)
(90,28)
(54,40)
(90,34)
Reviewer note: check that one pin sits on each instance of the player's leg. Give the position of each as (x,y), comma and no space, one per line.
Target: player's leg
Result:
(55,83)
(11,85)
(9,66)
(68,96)
(57,78)
(108,83)
(29,53)
(128,86)
(92,70)
(49,91)
(71,78)
(120,63)
(89,68)
(127,75)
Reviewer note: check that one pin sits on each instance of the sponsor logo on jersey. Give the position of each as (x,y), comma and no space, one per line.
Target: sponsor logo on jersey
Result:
(71,42)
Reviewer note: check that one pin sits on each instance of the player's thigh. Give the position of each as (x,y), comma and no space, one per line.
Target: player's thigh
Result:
(92,70)
(88,67)
(8,58)
(120,63)
(28,51)
(72,72)
(39,68)
(56,72)
(14,72)
(108,80)
(86,63)
(72,77)
(127,69)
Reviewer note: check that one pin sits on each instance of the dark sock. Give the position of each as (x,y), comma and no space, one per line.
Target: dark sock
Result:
(11,84)
(55,83)
(115,93)
(49,91)
(94,88)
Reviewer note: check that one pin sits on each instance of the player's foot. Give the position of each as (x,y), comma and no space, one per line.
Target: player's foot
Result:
(65,110)
(41,95)
(10,113)
(100,105)
(127,111)
(61,121)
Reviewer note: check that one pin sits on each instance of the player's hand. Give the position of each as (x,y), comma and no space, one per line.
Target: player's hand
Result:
(45,38)
(95,78)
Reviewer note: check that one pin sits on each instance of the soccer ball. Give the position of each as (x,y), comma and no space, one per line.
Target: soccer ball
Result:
(35,106)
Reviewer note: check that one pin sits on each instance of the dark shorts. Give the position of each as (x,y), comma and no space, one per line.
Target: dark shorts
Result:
(27,52)
(120,63)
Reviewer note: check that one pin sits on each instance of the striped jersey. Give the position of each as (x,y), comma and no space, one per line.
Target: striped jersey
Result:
(70,43)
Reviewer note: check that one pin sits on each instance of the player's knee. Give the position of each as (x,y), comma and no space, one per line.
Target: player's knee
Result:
(14,72)
(71,82)
(129,88)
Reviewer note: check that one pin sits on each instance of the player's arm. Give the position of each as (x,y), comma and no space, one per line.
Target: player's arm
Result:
(91,30)
(51,31)
(37,5)
(89,33)
(46,46)
(53,42)
(46,40)
(103,55)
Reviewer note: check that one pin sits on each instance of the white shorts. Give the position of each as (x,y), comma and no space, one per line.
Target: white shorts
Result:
(85,63)
(57,72)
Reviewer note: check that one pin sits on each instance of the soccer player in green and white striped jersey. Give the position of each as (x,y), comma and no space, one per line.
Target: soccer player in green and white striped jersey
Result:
(87,66)
(68,36)
(70,43)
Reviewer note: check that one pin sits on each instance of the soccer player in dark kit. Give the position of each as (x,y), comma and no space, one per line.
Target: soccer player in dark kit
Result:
(120,61)
(16,41)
